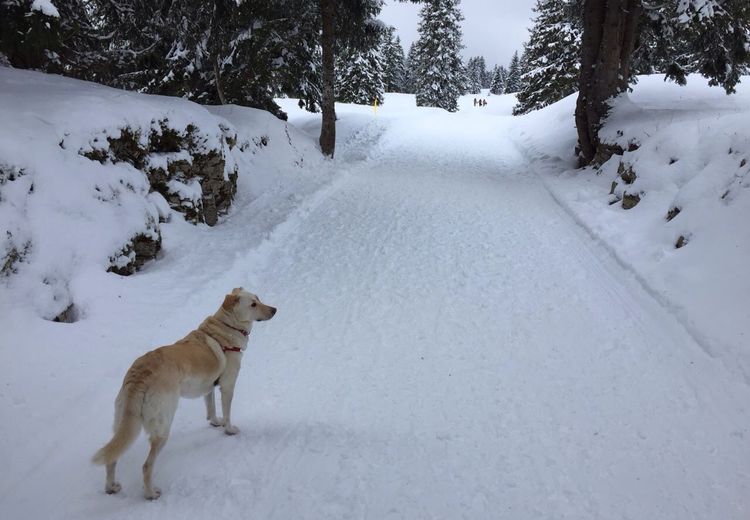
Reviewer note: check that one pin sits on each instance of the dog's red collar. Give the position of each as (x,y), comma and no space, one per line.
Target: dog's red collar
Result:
(244,332)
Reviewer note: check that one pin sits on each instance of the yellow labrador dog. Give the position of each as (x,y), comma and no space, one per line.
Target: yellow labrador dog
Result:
(207,356)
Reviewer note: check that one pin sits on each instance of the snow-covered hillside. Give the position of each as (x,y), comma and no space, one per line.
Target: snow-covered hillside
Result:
(464,330)
(88,176)
(687,168)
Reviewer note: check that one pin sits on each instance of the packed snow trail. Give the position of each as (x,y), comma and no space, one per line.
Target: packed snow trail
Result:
(448,345)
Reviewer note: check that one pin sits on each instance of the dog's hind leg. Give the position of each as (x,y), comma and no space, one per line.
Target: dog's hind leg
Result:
(111,487)
(158,412)
(157,443)
(126,427)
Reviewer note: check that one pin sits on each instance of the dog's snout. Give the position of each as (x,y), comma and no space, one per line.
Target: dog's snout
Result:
(266,312)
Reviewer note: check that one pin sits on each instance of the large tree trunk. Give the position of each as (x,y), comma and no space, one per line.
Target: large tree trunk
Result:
(217,77)
(610,30)
(328,108)
(215,42)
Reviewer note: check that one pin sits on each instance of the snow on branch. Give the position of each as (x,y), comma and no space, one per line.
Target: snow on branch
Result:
(46,7)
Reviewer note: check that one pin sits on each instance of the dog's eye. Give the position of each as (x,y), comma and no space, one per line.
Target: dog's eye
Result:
(254,304)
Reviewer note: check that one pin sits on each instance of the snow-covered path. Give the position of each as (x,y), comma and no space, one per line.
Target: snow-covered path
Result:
(465,353)
(449,344)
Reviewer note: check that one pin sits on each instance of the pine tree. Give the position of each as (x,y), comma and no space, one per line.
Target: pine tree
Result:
(200,49)
(474,76)
(360,76)
(440,74)
(393,58)
(27,35)
(477,76)
(485,76)
(343,24)
(552,57)
(306,85)
(410,68)
(524,61)
(513,81)
(52,38)
(499,75)
(717,38)
(197,49)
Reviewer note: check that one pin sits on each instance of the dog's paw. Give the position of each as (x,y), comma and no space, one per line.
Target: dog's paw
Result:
(112,488)
(231,430)
(215,421)
(153,494)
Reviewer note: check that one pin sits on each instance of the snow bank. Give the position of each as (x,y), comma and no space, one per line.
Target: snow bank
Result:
(45,7)
(89,176)
(684,176)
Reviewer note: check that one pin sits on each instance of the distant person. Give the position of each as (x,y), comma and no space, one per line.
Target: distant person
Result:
(301,104)
(475,101)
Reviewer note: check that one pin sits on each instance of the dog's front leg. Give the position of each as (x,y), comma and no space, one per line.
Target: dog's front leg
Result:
(226,407)
(226,384)
(211,410)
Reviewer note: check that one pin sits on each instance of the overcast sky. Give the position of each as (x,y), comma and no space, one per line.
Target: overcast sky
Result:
(492,28)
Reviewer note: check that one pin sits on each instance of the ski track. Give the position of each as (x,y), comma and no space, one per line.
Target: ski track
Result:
(449,344)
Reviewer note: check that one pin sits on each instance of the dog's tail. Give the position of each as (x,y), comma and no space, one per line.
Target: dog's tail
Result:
(127,426)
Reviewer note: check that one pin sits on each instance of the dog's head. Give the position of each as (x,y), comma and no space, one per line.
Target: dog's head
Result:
(247,307)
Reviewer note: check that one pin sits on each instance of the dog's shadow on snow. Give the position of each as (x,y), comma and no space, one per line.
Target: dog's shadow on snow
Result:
(259,443)
(201,461)
(242,464)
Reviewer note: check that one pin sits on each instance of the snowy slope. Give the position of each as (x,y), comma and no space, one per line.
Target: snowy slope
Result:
(694,155)
(65,217)
(450,343)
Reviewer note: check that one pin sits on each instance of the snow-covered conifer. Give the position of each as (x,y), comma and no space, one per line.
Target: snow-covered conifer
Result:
(716,34)
(552,57)
(393,58)
(360,76)
(711,37)
(513,81)
(499,75)
(201,50)
(485,76)
(29,35)
(473,76)
(410,70)
(440,74)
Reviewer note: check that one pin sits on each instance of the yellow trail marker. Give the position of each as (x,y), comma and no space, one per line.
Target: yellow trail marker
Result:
(375,106)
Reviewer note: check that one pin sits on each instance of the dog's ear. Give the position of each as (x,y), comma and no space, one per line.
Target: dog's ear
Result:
(230,301)
(237,290)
